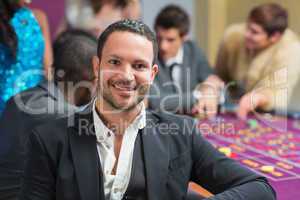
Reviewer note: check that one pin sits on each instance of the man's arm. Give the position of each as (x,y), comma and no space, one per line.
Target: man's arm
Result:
(255,99)
(11,151)
(39,179)
(207,102)
(224,177)
(208,84)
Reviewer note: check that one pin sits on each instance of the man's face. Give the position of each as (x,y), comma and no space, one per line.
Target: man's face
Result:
(125,71)
(256,38)
(169,42)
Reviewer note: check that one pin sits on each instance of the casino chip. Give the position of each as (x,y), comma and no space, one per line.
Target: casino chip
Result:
(226,151)
(252,123)
(267,168)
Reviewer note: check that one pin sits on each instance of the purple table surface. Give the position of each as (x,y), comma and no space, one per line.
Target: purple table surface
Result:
(256,145)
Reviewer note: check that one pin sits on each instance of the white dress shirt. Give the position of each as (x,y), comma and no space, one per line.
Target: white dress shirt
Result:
(116,185)
(176,71)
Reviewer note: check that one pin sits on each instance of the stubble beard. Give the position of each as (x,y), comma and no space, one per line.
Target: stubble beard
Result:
(107,96)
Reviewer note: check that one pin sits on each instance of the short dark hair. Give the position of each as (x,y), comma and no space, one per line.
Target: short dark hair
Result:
(73,51)
(173,16)
(271,16)
(132,26)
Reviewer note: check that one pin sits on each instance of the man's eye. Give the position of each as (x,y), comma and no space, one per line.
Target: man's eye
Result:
(139,66)
(114,62)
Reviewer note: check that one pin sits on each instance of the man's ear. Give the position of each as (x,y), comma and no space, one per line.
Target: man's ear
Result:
(154,71)
(96,65)
(275,37)
(184,37)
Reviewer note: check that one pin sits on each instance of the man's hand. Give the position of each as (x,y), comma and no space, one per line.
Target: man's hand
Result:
(215,81)
(207,104)
(250,101)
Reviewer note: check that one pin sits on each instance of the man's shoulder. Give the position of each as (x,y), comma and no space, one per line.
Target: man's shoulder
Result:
(289,40)
(288,49)
(24,101)
(63,124)
(51,136)
(53,130)
(36,97)
(193,51)
(167,116)
(58,123)
(27,94)
(192,46)
(176,130)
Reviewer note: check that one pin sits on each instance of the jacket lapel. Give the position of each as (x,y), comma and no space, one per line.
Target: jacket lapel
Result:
(156,154)
(85,157)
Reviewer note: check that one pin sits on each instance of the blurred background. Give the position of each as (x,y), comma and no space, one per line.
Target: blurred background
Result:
(209,17)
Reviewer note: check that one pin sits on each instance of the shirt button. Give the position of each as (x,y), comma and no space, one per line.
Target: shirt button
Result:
(117,190)
(100,138)
(140,126)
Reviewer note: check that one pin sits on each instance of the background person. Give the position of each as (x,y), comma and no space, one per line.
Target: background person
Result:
(183,67)
(24,46)
(71,89)
(261,56)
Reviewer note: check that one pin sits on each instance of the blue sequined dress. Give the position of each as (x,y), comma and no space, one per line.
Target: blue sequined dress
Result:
(26,70)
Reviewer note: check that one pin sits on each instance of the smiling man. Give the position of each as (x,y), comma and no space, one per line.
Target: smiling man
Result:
(115,149)
(262,56)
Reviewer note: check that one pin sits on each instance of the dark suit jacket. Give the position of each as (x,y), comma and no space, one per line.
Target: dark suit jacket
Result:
(195,69)
(63,163)
(37,106)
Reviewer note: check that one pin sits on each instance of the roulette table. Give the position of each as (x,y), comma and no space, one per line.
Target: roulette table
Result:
(265,143)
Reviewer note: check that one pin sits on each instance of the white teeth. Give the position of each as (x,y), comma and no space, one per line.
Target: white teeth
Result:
(124,88)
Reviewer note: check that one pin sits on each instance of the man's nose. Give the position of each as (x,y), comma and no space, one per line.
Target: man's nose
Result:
(163,46)
(127,72)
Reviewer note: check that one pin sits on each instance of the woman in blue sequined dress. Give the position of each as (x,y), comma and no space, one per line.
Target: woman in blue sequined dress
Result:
(25,50)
